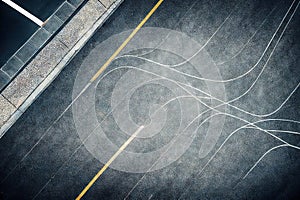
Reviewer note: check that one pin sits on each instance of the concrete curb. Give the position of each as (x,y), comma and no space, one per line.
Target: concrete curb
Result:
(48,63)
(19,60)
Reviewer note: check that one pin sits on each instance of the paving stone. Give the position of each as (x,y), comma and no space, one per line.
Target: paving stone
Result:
(4,79)
(107,3)
(40,37)
(36,71)
(81,22)
(6,110)
(27,51)
(65,11)
(12,66)
(48,58)
(53,24)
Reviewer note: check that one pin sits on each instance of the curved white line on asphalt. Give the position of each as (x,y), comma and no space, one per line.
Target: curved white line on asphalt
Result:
(231,79)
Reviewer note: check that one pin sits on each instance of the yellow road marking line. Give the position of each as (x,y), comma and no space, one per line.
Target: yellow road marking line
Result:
(126,41)
(108,163)
(99,72)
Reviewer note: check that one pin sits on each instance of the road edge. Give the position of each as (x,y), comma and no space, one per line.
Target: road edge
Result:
(37,76)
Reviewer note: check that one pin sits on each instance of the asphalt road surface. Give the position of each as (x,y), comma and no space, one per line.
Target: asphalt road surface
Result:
(208,88)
